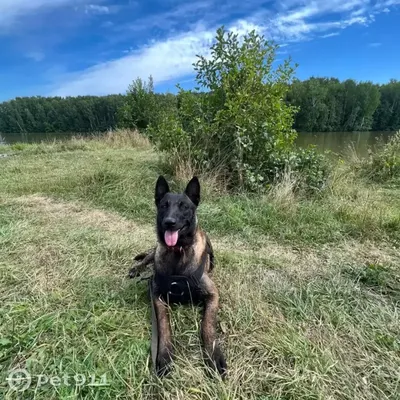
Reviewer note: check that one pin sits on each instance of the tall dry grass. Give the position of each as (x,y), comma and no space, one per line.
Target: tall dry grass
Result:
(125,138)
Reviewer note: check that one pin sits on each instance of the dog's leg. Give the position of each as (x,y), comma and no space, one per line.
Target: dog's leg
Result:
(164,346)
(145,259)
(212,350)
(210,251)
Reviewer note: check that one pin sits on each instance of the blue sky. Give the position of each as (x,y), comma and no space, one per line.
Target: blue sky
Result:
(78,47)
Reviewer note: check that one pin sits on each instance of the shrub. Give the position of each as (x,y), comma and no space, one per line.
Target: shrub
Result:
(241,125)
(138,106)
(142,106)
(308,168)
(384,164)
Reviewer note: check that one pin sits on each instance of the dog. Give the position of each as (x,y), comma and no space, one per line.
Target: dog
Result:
(183,259)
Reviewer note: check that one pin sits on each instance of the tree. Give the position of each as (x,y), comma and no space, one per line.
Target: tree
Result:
(55,114)
(387,115)
(139,105)
(242,121)
(327,105)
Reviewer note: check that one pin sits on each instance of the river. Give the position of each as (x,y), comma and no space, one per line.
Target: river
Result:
(341,142)
(338,142)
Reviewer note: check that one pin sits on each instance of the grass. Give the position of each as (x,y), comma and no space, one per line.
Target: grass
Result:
(310,288)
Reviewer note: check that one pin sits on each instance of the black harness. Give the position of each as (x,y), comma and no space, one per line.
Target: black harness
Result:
(180,289)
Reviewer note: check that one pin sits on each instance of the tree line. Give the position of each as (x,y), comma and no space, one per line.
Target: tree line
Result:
(55,114)
(324,105)
(328,105)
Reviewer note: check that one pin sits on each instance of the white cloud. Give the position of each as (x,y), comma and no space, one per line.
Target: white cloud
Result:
(328,35)
(382,6)
(388,3)
(358,12)
(298,23)
(300,30)
(320,7)
(164,60)
(10,10)
(96,9)
(171,57)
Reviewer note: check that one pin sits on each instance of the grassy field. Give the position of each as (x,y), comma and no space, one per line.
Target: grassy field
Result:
(310,288)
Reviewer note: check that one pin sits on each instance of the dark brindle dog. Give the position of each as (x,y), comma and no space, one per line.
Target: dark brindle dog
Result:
(183,259)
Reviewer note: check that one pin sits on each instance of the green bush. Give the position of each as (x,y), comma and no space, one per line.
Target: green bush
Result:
(138,106)
(309,167)
(383,165)
(143,107)
(239,124)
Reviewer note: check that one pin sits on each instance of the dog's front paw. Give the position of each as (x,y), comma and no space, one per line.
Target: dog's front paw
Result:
(133,273)
(163,363)
(140,257)
(217,361)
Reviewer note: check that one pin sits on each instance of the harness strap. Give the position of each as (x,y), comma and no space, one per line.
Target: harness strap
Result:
(154,327)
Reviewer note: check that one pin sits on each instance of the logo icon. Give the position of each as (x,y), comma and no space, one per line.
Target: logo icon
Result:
(19,380)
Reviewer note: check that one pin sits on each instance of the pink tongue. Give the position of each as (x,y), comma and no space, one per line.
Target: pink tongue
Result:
(171,238)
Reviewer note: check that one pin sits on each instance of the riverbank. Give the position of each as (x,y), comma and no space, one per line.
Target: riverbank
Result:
(337,142)
(309,286)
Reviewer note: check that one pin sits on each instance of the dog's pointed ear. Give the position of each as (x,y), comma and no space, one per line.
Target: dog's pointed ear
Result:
(193,190)
(162,189)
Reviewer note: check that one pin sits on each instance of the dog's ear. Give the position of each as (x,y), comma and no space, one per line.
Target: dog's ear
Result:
(162,189)
(193,190)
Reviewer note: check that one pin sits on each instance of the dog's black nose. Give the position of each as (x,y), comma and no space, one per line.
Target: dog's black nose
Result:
(169,222)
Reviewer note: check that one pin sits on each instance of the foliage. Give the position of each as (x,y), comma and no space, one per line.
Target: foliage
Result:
(328,105)
(142,106)
(308,166)
(138,106)
(242,122)
(384,164)
(325,105)
(56,114)
(387,115)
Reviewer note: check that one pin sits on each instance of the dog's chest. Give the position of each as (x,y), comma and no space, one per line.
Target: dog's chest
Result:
(178,280)
(175,262)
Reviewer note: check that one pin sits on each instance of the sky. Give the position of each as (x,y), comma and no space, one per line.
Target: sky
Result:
(97,47)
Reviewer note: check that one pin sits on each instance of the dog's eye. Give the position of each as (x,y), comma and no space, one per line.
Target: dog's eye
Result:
(183,205)
(165,205)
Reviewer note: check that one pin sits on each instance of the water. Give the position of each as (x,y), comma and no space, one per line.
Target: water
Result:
(340,142)
(11,138)
(337,142)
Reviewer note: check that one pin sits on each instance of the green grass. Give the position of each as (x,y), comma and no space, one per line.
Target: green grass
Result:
(309,288)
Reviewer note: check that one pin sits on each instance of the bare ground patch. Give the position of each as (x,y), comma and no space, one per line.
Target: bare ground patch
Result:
(62,241)
(309,261)
(81,214)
